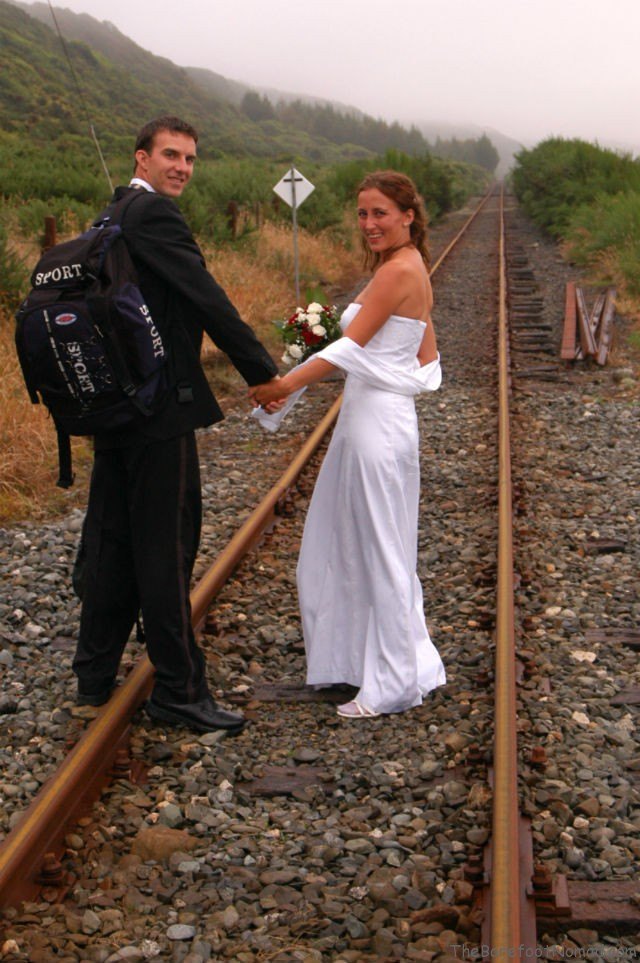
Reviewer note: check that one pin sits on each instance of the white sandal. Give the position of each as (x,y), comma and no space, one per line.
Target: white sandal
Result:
(355,710)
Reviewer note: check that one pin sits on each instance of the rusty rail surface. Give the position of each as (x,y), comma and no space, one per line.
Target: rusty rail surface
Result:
(86,769)
(520,895)
(510,915)
(450,246)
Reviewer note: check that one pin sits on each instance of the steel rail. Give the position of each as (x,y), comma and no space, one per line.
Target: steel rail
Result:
(442,257)
(505,876)
(78,780)
(75,784)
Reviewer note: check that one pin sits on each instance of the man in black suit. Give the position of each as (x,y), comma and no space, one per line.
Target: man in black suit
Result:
(142,527)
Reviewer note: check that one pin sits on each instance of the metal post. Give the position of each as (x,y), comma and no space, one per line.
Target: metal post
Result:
(295,233)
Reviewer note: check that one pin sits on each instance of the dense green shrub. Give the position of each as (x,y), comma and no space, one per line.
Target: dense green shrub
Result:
(65,179)
(442,184)
(69,168)
(71,215)
(606,233)
(557,176)
(589,197)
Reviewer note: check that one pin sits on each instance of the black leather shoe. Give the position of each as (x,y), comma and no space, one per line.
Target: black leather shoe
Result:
(97,697)
(203,716)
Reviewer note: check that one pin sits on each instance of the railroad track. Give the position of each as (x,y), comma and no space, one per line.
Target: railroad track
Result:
(468,887)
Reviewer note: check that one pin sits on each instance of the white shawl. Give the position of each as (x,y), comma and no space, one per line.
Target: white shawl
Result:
(357,361)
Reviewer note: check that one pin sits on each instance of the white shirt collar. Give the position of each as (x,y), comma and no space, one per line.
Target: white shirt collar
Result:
(139,182)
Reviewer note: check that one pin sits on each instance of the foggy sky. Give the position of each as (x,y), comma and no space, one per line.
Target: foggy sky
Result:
(528,68)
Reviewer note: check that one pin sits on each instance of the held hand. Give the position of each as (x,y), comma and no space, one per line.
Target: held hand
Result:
(269,395)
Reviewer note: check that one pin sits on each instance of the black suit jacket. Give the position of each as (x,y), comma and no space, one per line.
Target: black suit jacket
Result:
(184,300)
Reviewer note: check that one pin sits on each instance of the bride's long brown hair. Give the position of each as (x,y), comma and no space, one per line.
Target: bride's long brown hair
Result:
(402,191)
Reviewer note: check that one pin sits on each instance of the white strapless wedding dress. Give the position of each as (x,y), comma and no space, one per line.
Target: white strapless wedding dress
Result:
(360,598)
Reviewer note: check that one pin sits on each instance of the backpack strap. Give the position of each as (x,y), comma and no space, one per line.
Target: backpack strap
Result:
(115,212)
(183,386)
(65,473)
(100,311)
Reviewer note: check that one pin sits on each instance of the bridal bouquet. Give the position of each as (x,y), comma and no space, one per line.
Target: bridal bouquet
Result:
(308,330)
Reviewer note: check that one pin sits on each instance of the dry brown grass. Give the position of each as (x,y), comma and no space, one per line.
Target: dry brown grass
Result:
(259,280)
(28,448)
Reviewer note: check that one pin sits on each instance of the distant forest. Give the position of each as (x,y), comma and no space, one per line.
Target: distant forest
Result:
(330,123)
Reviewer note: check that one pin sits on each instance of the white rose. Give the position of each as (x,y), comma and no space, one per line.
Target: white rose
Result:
(286,358)
(295,351)
(319,330)
(315,308)
(303,317)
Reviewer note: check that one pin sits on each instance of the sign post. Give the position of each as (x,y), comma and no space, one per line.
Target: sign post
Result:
(293,188)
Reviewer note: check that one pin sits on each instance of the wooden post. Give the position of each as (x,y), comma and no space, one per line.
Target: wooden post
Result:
(258,214)
(587,340)
(232,218)
(596,314)
(568,347)
(606,327)
(49,240)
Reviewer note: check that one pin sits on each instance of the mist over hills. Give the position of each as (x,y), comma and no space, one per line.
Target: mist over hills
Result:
(506,146)
(234,91)
(124,84)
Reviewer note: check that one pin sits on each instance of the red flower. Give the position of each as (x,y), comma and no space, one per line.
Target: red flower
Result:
(309,337)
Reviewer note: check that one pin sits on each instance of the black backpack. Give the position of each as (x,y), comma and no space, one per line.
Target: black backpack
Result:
(86,341)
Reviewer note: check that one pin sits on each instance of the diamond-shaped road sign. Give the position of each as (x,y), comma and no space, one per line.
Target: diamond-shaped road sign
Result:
(284,187)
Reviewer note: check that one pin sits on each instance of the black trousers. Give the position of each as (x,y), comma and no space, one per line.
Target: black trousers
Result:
(141,537)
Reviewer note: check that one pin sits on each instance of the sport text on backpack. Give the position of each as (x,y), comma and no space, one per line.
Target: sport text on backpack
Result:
(86,341)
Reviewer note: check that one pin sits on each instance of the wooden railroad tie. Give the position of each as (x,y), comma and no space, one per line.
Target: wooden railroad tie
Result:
(587,334)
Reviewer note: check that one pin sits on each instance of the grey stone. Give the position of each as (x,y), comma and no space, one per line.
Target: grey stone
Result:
(179,932)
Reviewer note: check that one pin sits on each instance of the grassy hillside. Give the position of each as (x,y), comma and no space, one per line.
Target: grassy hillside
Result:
(122,85)
(38,96)
(117,76)
(50,165)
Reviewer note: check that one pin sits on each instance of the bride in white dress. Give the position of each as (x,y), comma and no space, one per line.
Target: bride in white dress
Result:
(360,598)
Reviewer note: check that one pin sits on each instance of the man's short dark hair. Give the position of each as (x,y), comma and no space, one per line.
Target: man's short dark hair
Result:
(146,135)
